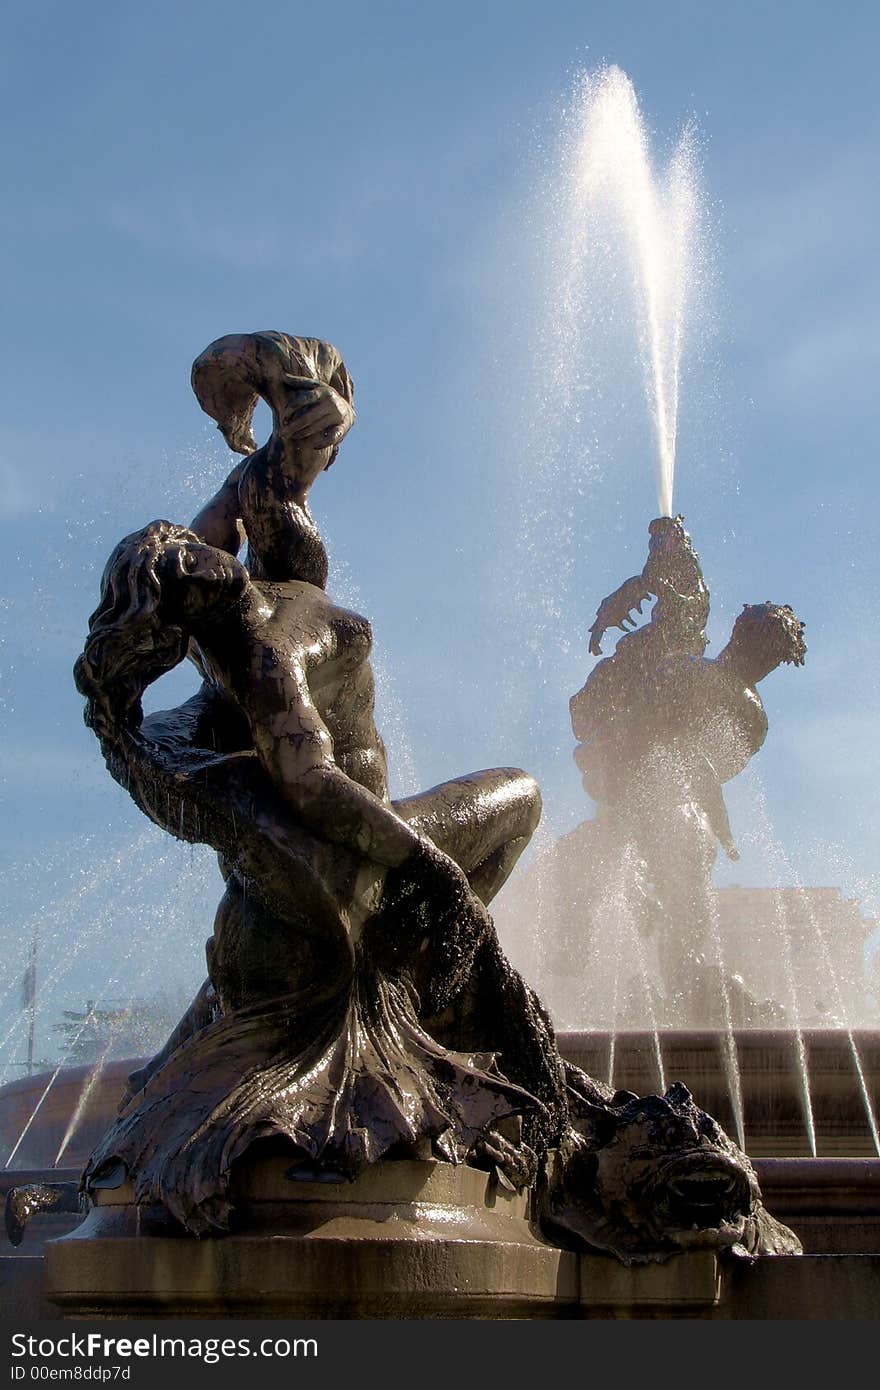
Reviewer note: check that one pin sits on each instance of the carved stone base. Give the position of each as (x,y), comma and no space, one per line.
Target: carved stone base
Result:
(404,1240)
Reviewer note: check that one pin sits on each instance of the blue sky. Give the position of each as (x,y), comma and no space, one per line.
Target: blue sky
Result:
(370,175)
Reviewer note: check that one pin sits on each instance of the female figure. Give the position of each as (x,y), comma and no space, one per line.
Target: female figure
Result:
(287,675)
(348,920)
(352,949)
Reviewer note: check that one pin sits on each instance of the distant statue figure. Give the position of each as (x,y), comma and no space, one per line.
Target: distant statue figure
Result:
(660,729)
(673,576)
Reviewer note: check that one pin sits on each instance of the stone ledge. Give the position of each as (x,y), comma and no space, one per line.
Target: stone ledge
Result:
(683,1281)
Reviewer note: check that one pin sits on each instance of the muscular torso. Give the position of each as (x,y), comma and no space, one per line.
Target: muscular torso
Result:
(693,711)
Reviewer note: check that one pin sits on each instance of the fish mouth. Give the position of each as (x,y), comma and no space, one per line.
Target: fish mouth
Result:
(703,1196)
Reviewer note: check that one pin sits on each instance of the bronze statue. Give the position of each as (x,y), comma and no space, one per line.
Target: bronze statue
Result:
(346,919)
(646,1177)
(358,1005)
(660,729)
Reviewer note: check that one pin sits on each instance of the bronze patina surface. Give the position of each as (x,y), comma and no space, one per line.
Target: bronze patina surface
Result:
(358,1008)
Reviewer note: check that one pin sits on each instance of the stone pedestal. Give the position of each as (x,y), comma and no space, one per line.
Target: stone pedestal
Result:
(404,1240)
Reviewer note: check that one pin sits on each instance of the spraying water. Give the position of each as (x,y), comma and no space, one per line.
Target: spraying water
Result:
(632,220)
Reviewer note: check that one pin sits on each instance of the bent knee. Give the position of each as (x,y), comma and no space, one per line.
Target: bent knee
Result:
(525,792)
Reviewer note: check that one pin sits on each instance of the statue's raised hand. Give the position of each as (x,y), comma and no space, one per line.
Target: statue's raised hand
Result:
(597,632)
(616,611)
(313,413)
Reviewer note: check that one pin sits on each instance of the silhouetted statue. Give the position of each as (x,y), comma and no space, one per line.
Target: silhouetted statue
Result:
(358,1005)
(661,728)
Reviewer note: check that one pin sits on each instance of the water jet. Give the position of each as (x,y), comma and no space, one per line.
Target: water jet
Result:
(215,746)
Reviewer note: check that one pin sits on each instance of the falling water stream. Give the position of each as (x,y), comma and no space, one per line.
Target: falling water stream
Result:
(641,220)
(91,1081)
(125,925)
(831,973)
(784,937)
(628,273)
(10,1157)
(729,1052)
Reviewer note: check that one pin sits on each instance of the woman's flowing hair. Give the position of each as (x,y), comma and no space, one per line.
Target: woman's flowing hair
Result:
(129,646)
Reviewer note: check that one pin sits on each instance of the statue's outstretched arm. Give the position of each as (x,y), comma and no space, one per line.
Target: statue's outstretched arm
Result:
(219,521)
(306,385)
(712,800)
(296,749)
(262,499)
(616,609)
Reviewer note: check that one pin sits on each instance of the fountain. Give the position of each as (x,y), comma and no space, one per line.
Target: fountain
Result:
(378,1120)
(620,205)
(361,1048)
(675,976)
